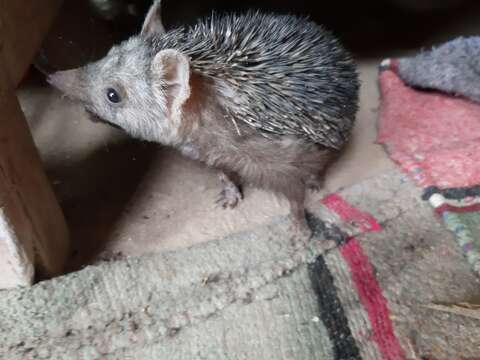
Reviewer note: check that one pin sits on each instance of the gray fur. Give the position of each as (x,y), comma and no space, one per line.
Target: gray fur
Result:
(453,67)
(265,99)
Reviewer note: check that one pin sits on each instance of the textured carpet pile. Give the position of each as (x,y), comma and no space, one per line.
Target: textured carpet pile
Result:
(365,287)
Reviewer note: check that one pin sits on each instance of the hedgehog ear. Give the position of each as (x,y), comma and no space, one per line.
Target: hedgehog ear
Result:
(153,21)
(171,71)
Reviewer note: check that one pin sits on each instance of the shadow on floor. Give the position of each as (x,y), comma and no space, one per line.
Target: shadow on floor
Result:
(95,191)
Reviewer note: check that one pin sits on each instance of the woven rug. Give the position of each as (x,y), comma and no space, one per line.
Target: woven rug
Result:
(351,301)
(435,138)
(395,277)
(371,284)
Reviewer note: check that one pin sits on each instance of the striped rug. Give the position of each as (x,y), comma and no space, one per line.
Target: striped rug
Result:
(351,302)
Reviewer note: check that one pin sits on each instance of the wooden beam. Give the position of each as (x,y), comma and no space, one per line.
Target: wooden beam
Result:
(33,232)
(23,26)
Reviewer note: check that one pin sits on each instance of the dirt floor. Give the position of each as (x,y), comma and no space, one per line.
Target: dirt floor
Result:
(122,197)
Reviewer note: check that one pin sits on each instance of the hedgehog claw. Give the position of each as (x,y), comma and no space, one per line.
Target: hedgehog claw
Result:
(229,197)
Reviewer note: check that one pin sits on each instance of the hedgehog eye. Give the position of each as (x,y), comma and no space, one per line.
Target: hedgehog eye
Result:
(112,96)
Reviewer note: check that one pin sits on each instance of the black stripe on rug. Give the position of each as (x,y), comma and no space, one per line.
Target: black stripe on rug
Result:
(325,230)
(331,311)
(452,193)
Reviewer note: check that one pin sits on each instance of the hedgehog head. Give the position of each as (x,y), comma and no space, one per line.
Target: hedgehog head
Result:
(131,89)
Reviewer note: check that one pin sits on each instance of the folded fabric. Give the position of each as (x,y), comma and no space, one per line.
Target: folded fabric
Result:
(453,68)
(429,123)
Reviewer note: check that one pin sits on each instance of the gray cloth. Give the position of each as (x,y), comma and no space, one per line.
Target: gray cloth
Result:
(453,67)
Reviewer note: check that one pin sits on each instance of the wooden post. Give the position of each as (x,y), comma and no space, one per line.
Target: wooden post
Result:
(33,233)
(23,26)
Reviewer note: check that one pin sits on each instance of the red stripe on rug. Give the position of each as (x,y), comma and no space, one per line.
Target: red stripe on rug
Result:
(368,288)
(365,221)
(372,299)
(457,209)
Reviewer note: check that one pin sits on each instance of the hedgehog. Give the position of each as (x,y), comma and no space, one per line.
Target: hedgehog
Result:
(264,99)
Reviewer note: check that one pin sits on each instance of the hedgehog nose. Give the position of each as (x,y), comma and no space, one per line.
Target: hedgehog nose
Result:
(68,82)
(64,81)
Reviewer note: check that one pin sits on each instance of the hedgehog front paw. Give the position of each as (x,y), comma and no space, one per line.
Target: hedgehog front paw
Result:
(231,193)
(229,197)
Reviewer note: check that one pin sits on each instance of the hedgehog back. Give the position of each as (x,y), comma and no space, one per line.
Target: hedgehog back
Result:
(293,76)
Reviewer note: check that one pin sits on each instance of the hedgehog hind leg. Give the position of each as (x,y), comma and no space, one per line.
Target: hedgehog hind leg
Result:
(310,177)
(323,159)
(231,193)
(296,198)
